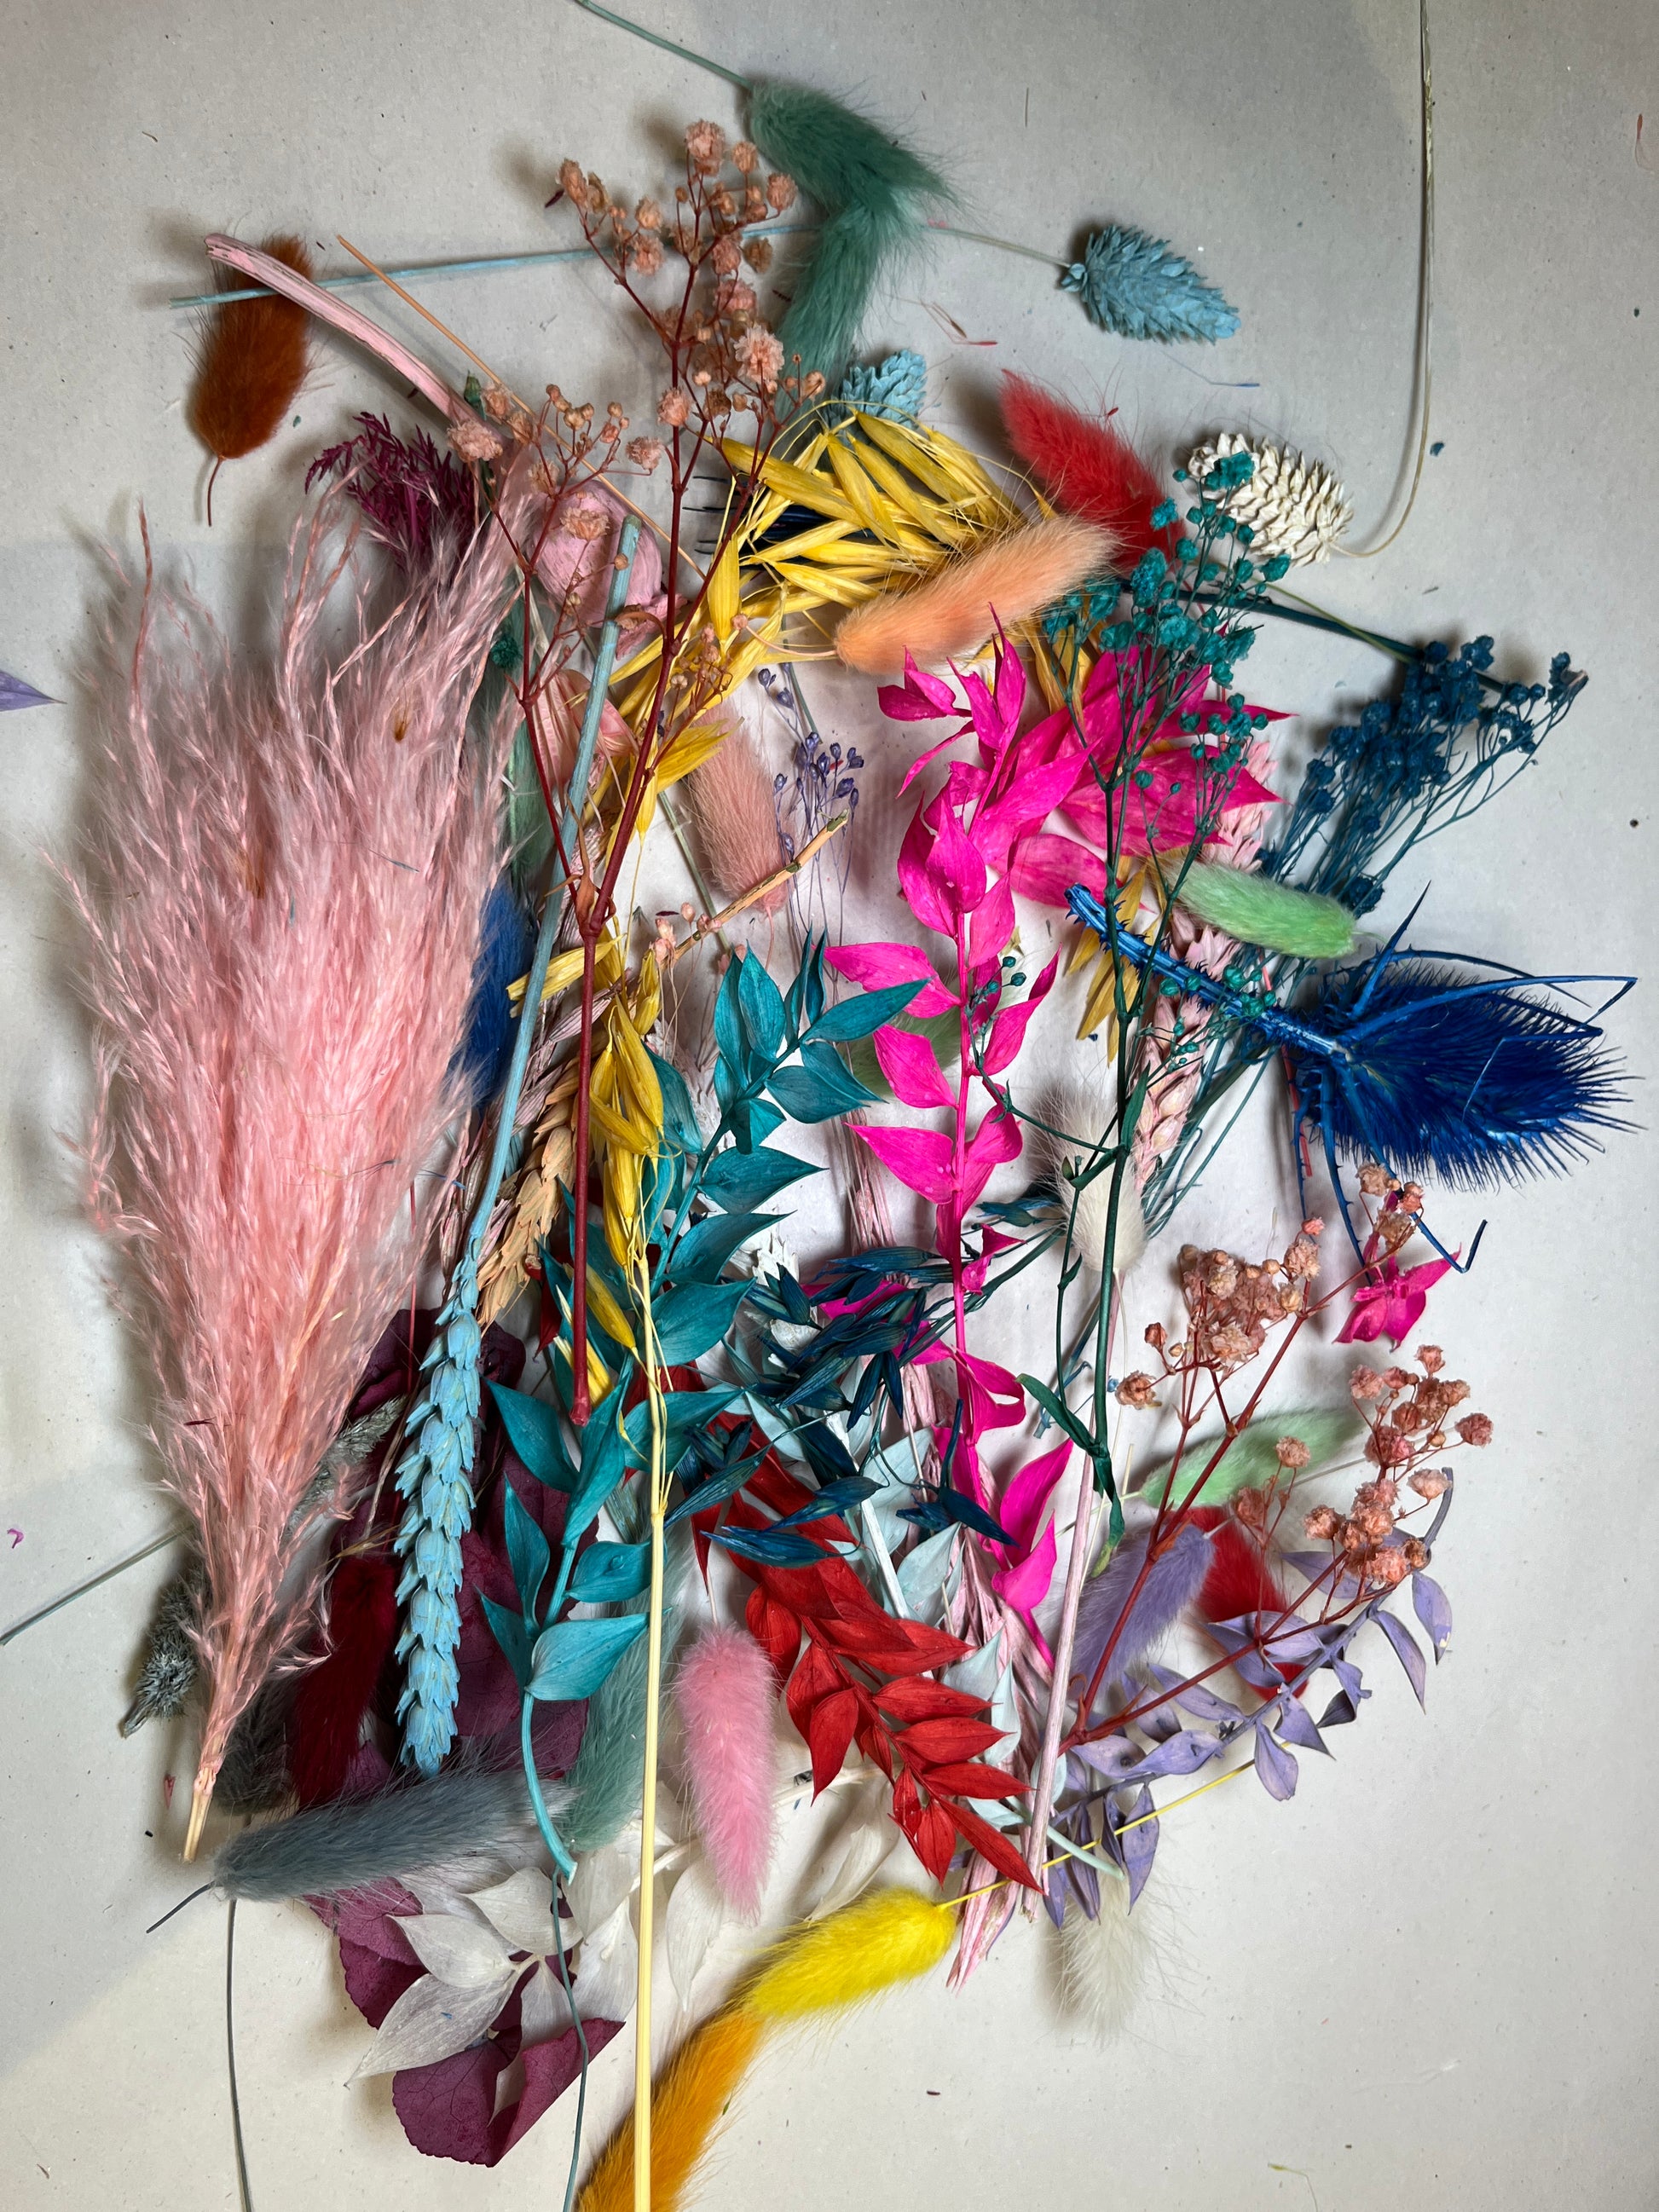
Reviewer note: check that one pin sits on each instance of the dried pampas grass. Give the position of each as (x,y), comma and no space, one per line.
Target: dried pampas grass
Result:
(281,883)
(959,607)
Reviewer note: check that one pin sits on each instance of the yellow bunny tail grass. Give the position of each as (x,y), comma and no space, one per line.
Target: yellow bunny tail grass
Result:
(892,1936)
(959,608)
(686,2107)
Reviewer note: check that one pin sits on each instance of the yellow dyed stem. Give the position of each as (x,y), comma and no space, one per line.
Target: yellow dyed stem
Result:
(648,1789)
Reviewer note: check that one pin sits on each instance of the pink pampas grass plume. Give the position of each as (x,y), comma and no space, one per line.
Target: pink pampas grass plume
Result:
(281,884)
(735,818)
(725,1691)
(958,608)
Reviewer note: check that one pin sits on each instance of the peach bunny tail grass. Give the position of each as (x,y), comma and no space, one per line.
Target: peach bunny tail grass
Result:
(957,610)
(279,887)
(250,366)
(687,2105)
(734,817)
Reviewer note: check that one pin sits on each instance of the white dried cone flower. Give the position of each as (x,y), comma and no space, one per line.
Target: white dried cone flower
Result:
(1294,506)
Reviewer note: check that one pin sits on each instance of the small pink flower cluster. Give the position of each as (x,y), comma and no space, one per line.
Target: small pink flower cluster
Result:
(726,359)
(1406,1413)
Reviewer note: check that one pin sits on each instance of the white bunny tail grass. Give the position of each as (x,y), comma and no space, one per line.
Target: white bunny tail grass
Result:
(1103,1963)
(1073,1110)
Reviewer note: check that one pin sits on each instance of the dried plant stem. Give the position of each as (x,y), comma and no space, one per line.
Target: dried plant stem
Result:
(1077,1568)
(652,1719)
(711,922)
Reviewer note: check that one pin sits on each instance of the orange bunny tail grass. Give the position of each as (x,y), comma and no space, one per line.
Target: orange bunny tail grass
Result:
(958,609)
(251,364)
(686,2107)
(735,815)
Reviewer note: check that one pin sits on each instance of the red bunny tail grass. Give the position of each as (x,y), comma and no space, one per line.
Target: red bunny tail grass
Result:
(326,1721)
(251,363)
(1084,464)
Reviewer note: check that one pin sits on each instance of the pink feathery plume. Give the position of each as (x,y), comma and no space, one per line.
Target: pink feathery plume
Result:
(956,610)
(725,1692)
(281,885)
(735,816)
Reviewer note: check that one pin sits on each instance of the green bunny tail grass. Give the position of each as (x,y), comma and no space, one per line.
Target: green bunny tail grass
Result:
(870,190)
(1256,910)
(1252,1459)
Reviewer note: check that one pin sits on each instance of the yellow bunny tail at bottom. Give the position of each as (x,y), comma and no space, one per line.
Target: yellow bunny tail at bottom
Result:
(890,1937)
(825,1966)
(686,2105)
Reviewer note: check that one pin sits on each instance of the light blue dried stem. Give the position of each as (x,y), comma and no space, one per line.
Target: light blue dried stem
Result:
(434,1473)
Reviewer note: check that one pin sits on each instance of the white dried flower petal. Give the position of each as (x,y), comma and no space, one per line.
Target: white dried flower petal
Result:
(1294,506)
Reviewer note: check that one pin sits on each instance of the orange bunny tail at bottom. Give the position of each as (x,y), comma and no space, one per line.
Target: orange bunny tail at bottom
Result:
(686,2107)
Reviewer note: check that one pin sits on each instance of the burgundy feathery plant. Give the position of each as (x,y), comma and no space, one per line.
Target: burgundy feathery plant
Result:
(281,883)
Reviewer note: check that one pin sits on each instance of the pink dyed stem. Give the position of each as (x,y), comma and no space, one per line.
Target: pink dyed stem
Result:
(1076,1570)
(248,261)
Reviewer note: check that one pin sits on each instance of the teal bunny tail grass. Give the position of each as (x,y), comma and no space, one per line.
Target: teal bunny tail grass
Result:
(1254,910)
(872,193)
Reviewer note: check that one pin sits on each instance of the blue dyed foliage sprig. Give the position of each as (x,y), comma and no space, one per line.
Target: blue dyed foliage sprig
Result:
(1412,766)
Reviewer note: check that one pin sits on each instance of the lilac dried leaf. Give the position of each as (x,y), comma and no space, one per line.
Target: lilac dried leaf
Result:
(1195,1697)
(1296,1724)
(1276,1767)
(1433,1608)
(1136,1838)
(1183,1754)
(1407,1651)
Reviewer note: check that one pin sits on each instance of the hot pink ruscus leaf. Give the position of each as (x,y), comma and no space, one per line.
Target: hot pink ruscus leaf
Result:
(922,1159)
(874,966)
(908,1064)
(1008,1031)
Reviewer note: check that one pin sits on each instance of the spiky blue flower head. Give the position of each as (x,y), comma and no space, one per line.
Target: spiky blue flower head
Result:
(1135,285)
(894,388)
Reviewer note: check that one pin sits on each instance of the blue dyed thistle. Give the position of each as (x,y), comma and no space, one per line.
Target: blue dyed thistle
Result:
(895,389)
(1408,1059)
(1134,285)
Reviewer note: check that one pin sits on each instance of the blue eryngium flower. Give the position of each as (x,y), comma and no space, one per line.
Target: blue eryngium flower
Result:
(1134,285)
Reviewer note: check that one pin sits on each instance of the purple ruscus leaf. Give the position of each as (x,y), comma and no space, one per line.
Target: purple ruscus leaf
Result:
(1135,1837)
(1433,1608)
(1276,1767)
(1408,1650)
(14,693)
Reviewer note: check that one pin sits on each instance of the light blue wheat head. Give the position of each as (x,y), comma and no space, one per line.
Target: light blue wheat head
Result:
(434,1475)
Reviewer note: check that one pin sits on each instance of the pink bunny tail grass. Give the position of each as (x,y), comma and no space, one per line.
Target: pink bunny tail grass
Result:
(957,610)
(725,1692)
(281,885)
(735,815)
